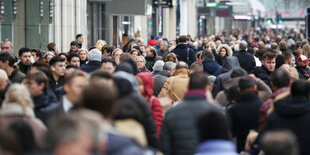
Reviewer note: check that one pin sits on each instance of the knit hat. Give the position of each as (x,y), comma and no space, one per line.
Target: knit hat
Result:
(95,55)
(159,65)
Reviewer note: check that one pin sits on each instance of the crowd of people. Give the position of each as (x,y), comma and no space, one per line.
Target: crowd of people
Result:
(245,92)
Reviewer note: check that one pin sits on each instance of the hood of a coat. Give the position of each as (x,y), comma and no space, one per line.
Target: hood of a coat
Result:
(210,65)
(148,83)
(229,63)
(228,49)
(292,107)
(129,77)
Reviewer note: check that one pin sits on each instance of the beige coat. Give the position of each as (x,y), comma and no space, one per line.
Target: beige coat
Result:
(179,85)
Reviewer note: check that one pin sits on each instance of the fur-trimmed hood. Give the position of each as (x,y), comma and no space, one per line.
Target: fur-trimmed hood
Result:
(228,49)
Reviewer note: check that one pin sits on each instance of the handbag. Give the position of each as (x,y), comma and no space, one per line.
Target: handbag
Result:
(166,102)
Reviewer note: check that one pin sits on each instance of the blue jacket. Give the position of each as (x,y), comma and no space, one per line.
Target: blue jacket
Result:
(216,147)
(91,66)
(212,67)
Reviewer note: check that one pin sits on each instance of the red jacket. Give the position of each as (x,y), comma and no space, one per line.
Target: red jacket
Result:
(152,43)
(154,103)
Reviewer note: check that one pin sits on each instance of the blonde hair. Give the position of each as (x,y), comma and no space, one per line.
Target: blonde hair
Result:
(18,93)
(306,50)
(117,49)
(47,54)
(141,57)
(171,56)
(82,50)
(211,45)
(100,43)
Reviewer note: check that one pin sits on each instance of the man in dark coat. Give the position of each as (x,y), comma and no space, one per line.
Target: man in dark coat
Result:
(246,60)
(179,134)
(245,113)
(94,56)
(292,114)
(25,60)
(7,64)
(184,52)
(268,66)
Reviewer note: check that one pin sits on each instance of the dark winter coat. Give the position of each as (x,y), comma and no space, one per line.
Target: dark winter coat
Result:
(181,52)
(303,73)
(149,62)
(292,114)
(91,66)
(263,73)
(42,105)
(211,67)
(246,60)
(179,133)
(159,81)
(244,117)
(24,69)
(17,76)
(218,58)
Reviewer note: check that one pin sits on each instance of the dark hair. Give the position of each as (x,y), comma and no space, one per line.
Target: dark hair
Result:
(183,39)
(127,109)
(71,66)
(280,78)
(250,50)
(71,76)
(269,56)
(39,77)
(6,56)
(207,54)
(72,55)
(108,49)
(213,124)
(56,59)
(51,46)
(124,56)
(93,98)
(260,53)
(100,74)
(23,50)
(196,66)
(25,135)
(198,80)
(300,88)
(78,36)
(38,52)
(108,59)
(74,43)
(232,94)
(245,83)
(238,72)
(287,55)
(280,60)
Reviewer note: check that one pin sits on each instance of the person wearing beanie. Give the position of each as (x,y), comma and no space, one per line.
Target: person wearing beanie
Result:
(94,56)
(158,67)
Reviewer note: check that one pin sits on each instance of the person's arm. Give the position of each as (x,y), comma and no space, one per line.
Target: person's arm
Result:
(264,92)
(165,138)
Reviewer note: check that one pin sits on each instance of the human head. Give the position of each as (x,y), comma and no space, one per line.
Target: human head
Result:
(158,66)
(164,45)
(71,68)
(238,72)
(151,52)
(95,55)
(300,88)
(79,38)
(83,54)
(169,66)
(25,56)
(269,61)
(283,46)
(247,85)
(196,67)
(108,64)
(57,65)
(279,142)
(183,39)
(207,55)
(36,54)
(48,56)
(140,62)
(4,80)
(134,54)
(181,65)
(279,79)
(171,57)
(75,82)
(51,46)
(74,46)
(212,124)
(302,61)
(107,50)
(36,82)
(289,58)
(6,61)
(6,45)
(116,54)
(64,56)
(198,80)
(74,59)
(243,45)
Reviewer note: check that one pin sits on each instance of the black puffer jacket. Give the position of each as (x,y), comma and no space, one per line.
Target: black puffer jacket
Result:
(292,114)
(246,60)
(263,73)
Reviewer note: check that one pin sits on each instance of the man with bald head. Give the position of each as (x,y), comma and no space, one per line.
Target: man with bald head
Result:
(176,85)
(4,84)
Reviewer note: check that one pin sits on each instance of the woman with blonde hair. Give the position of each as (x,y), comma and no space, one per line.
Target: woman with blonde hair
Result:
(48,56)
(211,45)
(306,50)
(171,57)
(116,55)
(83,56)
(18,106)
